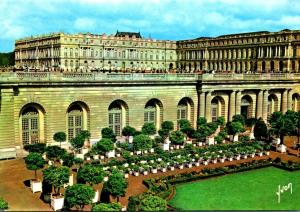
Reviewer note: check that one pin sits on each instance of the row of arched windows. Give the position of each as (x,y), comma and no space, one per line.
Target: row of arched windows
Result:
(77,117)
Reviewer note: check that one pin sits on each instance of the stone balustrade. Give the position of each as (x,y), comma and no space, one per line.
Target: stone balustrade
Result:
(16,77)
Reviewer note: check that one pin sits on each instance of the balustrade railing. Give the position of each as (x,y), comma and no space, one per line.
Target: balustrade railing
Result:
(79,77)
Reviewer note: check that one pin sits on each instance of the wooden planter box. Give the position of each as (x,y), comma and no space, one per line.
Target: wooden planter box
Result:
(180,166)
(245,156)
(96,157)
(154,171)
(57,203)
(105,179)
(238,157)
(145,172)
(126,175)
(222,160)
(260,154)
(36,186)
(205,163)
(79,155)
(172,168)
(151,150)
(230,159)
(215,161)
(189,165)
(130,139)
(163,169)
(136,174)
(96,197)
(110,154)
(138,152)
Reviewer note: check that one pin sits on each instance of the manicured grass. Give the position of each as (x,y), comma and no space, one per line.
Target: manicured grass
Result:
(251,190)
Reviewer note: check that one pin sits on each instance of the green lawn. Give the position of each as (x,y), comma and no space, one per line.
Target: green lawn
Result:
(251,190)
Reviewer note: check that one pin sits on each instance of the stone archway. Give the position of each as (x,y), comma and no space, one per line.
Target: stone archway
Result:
(247,106)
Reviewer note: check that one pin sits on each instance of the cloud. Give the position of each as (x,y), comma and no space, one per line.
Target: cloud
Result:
(163,19)
(84,23)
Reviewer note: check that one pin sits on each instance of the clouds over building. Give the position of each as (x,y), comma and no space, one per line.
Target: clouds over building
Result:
(163,19)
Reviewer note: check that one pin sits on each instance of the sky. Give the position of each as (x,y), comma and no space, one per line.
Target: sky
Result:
(159,19)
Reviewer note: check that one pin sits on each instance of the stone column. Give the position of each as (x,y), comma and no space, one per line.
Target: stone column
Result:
(231,105)
(259,51)
(208,107)
(284,101)
(238,103)
(276,51)
(202,104)
(289,99)
(265,105)
(259,100)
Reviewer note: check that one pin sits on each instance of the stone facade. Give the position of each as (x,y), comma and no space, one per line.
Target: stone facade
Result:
(246,52)
(33,106)
(89,52)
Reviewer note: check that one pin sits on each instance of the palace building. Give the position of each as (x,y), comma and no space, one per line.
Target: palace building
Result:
(88,52)
(253,74)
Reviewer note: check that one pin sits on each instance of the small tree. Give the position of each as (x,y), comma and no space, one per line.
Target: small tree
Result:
(37,147)
(281,125)
(3,204)
(34,161)
(108,133)
(85,134)
(184,124)
(260,129)
(116,185)
(142,142)
(234,128)
(78,196)
(239,118)
(149,129)
(68,160)
(55,152)
(60,137)
(201,121)
(128,131)
(56,176)
(77,142)
(177,137)
(90,174)
(167,125)
(163,133)
(186,127)
(220,121)
(107,207)
(153,203)
(103,146)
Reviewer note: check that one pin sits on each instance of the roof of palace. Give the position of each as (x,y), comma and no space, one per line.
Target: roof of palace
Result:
(129,34)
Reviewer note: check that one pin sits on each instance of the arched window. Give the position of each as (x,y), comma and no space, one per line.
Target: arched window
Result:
(272,104)
(115,121)
(247,107)
(296,102)
(217,108)
(30,125)
(117,116)
(153,112)
(75,121)
(214,110)
(182,111)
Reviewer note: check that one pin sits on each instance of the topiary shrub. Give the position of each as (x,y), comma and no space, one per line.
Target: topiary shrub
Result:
(107,207)
(38,147)
(108,133)
(142,142)
(149,129)
(177,137)
(3,204)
